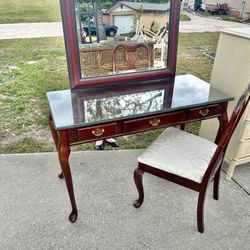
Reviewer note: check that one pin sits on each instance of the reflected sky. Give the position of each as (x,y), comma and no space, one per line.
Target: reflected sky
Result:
(189,90)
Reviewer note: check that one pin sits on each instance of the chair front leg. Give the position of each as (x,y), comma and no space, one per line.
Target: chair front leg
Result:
(200,210)
(138,174)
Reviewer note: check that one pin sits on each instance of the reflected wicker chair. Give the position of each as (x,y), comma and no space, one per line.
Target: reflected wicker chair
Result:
(188,160)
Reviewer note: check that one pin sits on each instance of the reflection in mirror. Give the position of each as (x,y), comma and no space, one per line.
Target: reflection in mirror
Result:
(118,37)
(113,103)
(126,105)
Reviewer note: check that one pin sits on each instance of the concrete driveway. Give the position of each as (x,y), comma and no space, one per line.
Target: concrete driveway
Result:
(54,29)
(34,207)
(207,24)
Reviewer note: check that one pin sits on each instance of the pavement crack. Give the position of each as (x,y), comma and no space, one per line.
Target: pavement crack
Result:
(238,184)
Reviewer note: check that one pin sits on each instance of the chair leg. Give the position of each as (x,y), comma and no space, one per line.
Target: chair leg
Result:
(182,126)
(61,175)
(138,174)
(200,211)
(216,184)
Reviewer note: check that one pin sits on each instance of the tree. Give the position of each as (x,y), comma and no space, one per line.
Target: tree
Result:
(93,9)
(197,5)
(100,32)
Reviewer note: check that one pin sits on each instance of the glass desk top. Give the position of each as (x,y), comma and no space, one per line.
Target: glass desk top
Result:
(89,106)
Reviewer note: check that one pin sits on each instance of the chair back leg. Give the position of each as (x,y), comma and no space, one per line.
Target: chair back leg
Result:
(216,183)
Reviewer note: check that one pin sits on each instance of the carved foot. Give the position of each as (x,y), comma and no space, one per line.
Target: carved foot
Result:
(73,216)
(138,173)
(61,176)
(137,203)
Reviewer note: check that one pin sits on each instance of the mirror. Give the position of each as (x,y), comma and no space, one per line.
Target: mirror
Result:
(110,42)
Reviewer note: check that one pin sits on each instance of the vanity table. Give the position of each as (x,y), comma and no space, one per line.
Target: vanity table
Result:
(103,105)
(87,115)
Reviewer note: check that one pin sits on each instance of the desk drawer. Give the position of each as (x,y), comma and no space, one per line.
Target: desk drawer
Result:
(209,111)
(245,131)
(243,149)
(97,132)
(154,122)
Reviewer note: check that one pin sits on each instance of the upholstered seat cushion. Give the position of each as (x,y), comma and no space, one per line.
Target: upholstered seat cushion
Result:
(180,153)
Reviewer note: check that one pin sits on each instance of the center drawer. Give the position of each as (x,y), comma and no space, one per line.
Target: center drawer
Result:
(159,121)
(97,132)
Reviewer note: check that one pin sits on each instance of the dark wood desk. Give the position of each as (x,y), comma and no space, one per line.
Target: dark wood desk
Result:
(87,115)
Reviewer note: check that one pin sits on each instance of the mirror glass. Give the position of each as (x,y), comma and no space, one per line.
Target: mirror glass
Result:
(120,37)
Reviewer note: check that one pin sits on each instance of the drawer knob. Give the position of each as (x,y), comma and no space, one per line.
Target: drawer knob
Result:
(98,131)
(204,112)
(155,122)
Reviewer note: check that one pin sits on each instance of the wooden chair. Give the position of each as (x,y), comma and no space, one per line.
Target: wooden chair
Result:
(188,160)
(130,50)
(160,40)
(139,36)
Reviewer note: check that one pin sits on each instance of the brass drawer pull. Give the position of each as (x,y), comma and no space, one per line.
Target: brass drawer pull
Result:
(155,122)
(204,112)
(98,131)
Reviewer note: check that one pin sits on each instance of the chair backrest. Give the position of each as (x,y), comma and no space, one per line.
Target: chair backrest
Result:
(235,118)
(130,50)
(162,36)
(228,132)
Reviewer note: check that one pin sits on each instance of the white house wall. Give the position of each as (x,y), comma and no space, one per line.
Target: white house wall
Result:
(121,9)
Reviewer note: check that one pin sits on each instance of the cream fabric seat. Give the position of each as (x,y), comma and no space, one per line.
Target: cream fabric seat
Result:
(180,153)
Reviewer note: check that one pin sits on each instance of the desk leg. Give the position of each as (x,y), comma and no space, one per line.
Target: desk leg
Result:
(55,138)
(64,152)
(223,119)
(53,131)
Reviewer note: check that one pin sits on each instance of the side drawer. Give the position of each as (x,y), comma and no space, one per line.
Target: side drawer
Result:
(209,111)
(244,149)
(245,131)
(153,122)
(97,132)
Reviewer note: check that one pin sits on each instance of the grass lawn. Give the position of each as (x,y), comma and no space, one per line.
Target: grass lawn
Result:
(17,11)
(31,67)
(184,17)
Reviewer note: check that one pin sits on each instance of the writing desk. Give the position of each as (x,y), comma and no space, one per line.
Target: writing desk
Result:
(86,115)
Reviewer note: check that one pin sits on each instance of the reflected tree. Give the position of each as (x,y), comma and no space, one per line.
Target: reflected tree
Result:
(93,9)
(100,32)
(131,104)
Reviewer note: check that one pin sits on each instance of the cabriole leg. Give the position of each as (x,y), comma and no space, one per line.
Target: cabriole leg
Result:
(138,174)
(64,152)
(55,138)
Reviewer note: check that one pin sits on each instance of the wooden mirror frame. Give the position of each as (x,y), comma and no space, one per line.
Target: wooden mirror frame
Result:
(73,58)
